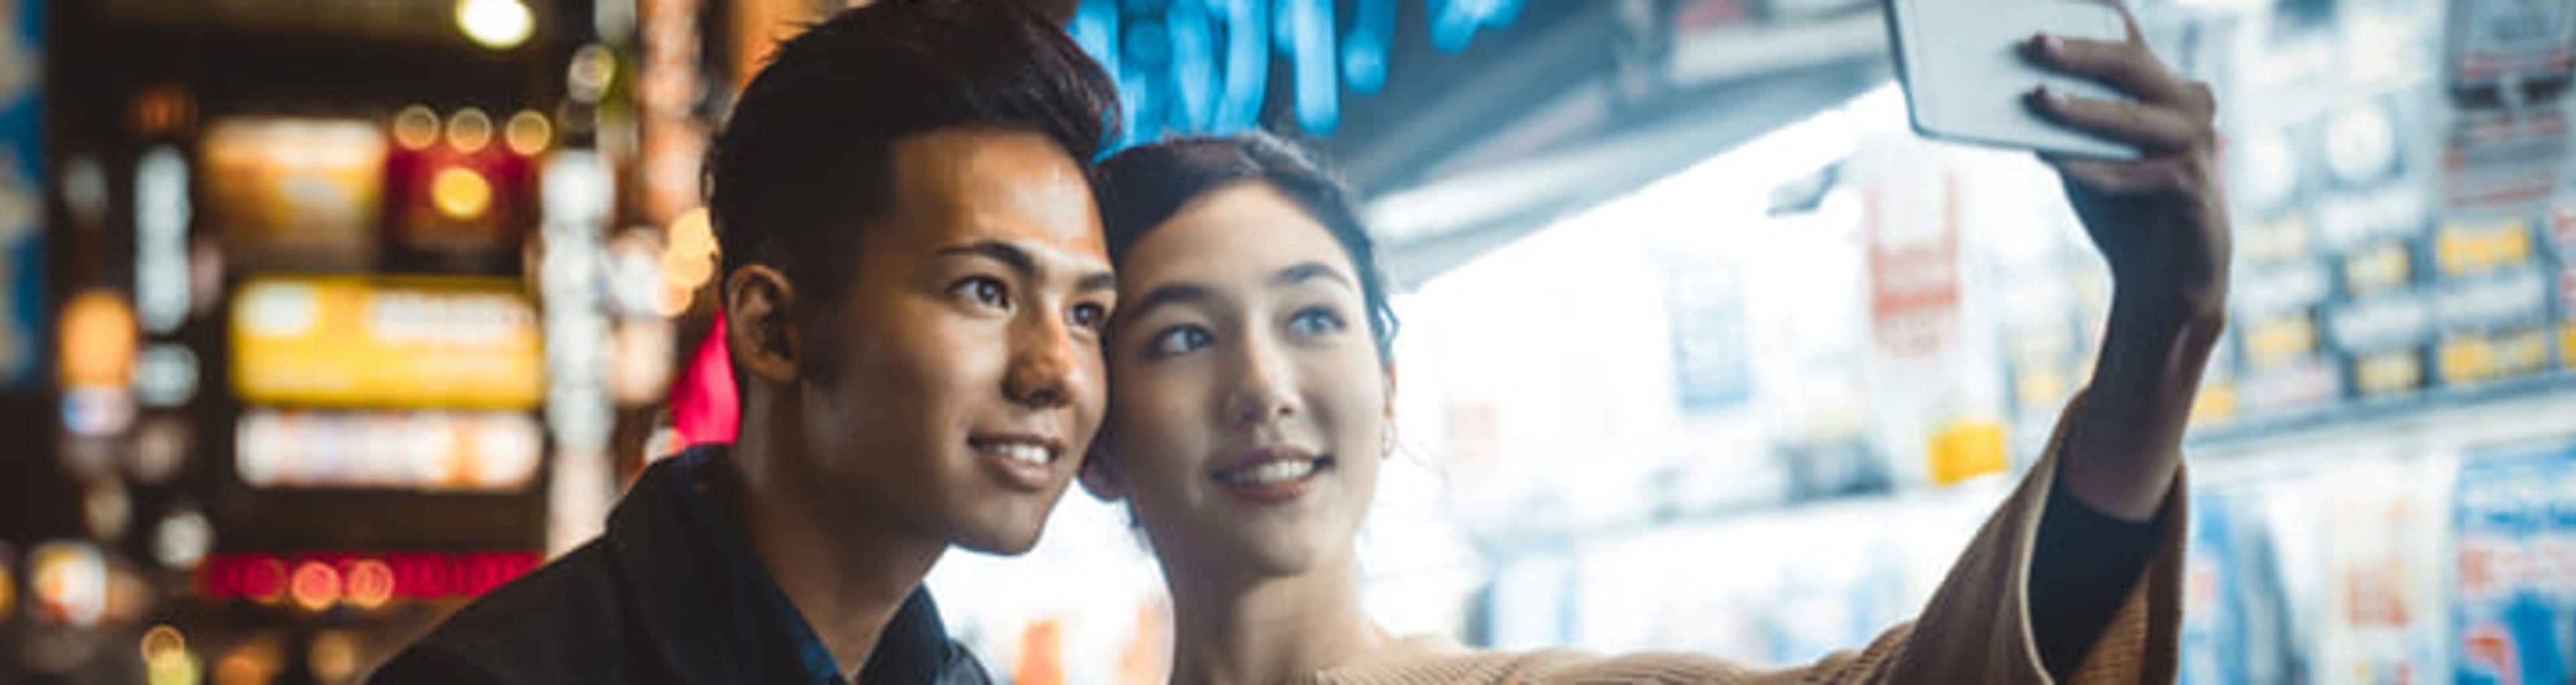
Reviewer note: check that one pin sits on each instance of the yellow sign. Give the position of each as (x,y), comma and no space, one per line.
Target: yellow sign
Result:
(2474,358)
(2468,249)
(2271,343)
(2388,372)
(2567,345)
(410,342)
(1966,449)
(2376,269)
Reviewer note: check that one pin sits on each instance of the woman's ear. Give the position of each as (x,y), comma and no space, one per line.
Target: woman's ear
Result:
(1389,370)
(1099,476)
(1386,440)
(758,327)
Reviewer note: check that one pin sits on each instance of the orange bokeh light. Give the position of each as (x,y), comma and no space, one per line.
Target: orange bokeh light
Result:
(314,585)
(368,583)
(98,340)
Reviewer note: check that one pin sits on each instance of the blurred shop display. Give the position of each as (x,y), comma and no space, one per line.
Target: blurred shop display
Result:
(2376,449)
(340,337)
(295,192)
(418,343)
(22,172)
(416,450)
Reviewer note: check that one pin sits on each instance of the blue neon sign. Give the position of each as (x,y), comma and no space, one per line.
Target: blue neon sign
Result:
(1203,66)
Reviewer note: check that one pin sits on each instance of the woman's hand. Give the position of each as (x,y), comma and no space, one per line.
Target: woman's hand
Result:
(2161,222)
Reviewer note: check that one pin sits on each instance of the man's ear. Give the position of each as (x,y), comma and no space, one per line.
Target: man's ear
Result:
(758,325)
(1099,476)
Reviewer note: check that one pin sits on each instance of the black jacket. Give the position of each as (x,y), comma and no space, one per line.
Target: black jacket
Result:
(670,594)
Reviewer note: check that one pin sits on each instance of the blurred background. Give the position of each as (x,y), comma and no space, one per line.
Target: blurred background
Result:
(319,318)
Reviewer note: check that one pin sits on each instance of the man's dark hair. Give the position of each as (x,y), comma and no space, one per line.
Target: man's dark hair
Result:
(1142,187)
(806,159)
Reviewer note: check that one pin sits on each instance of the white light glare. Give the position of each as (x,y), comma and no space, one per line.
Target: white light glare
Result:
(495,24)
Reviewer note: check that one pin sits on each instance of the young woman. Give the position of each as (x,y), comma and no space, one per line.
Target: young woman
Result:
(1253,395)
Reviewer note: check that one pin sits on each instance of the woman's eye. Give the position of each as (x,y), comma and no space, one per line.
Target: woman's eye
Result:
(983,291)
(1179,340)
(1316,321)
(1089,317)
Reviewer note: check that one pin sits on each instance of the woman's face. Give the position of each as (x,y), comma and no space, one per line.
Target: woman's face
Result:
(1248,402)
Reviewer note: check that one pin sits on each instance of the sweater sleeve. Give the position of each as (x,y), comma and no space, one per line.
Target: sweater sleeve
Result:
(1976,629)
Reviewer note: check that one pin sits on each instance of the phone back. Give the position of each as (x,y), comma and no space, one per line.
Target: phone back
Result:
(1965,76)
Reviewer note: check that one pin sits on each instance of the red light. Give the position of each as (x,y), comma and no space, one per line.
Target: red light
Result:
(263,579)
(419,575)
(365,581)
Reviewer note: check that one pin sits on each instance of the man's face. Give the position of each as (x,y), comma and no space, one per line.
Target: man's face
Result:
(956,384)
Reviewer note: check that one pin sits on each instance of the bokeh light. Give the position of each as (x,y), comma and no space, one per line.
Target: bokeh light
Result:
(69,583)
(333,656)
(416,127)
(98,340)
(528,133)
(495,24)
(468,130)
(460,193)
(314,586)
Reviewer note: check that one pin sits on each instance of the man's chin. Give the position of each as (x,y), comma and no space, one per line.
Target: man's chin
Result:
(1009,541)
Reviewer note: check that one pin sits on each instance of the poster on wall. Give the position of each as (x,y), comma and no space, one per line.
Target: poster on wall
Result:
(2235,626)
(2514,612)
(1705,299)
(22,275)
(2378,603)
(2509,50)
(1932,394)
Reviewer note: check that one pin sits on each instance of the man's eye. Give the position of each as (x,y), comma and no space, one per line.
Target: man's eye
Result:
(1089,317)
(983,291)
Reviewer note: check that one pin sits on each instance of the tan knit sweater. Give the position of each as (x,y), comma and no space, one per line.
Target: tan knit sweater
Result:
(1976,629)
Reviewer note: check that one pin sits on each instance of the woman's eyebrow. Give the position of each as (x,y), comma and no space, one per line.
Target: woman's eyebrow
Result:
(1311,271)
(1177,293)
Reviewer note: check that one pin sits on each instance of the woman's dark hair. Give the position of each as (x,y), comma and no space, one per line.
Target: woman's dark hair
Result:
(1142,187)
(807,156)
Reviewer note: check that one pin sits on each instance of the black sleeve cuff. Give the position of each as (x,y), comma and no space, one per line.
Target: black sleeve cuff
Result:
(2082,568)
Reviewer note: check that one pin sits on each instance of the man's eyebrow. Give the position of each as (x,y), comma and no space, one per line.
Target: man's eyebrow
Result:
(1097,281)
(1006,253)
(1019,260)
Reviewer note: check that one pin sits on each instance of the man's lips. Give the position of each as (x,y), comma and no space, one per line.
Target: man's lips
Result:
(1026,461)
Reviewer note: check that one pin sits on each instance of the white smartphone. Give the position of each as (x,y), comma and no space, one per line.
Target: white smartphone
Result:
(1966,77)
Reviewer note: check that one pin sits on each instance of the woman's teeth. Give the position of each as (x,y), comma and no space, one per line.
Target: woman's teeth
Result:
(1269,473)
(1021,452)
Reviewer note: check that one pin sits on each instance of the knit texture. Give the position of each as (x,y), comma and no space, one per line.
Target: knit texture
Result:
(1975,630)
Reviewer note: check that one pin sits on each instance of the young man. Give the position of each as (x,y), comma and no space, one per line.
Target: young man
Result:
(915,286)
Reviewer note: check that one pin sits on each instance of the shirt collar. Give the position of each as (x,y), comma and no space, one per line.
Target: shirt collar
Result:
(717,616)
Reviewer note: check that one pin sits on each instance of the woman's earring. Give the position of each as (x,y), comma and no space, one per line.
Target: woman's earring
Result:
(1386,443)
